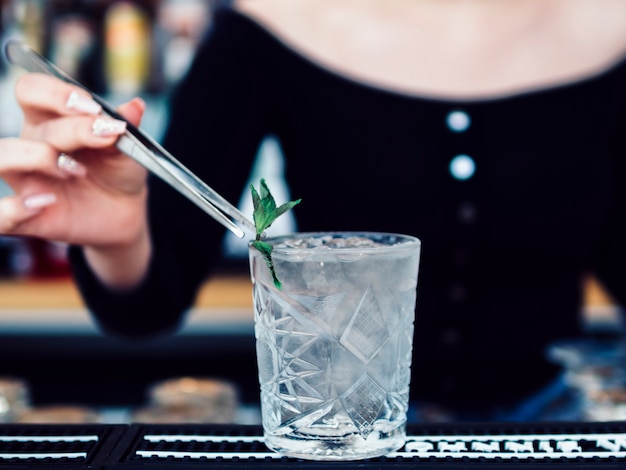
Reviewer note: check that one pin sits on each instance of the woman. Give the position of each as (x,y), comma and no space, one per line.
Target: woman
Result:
(494,131)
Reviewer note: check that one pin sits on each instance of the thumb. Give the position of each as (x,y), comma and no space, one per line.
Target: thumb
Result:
(133,110)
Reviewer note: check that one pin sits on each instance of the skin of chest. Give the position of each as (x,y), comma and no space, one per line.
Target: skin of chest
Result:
(453,49)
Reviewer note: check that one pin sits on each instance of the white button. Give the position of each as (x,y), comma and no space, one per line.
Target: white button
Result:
(462,167)
(458,121)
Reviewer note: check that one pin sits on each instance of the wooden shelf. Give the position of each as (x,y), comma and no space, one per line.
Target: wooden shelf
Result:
(221,291)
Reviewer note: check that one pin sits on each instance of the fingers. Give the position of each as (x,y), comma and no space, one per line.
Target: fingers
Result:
(41,97)
(72,133)
(24,156)
(68,165)
(61,121)
(66,116)
(15,210)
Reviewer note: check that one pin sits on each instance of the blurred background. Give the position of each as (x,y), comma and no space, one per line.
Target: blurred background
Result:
(51,354)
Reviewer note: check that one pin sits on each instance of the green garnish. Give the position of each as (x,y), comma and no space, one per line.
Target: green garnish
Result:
(265,213)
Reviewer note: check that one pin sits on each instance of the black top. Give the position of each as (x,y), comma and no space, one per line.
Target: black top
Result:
(503,251)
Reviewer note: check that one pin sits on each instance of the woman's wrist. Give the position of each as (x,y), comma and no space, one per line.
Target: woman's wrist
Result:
(121,267)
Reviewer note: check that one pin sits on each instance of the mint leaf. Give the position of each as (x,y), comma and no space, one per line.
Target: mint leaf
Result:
(264,215)
(266,250)
(265,210)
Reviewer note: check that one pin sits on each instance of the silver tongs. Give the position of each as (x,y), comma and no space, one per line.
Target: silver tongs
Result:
(142,148)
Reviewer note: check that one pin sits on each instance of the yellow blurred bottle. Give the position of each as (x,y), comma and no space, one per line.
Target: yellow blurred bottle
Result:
(127,51)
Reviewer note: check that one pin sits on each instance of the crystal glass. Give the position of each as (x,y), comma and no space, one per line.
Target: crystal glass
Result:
(334,342)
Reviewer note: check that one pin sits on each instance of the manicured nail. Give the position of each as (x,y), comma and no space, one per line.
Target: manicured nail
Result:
(105,127)
(69,165)
(82,103)
(37,201)
(141,103)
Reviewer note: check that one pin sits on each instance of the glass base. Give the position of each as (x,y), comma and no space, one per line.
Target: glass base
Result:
(351,446)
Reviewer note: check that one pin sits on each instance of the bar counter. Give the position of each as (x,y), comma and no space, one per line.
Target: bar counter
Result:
(427,446)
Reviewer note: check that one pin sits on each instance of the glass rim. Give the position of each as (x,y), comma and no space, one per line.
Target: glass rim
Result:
(409,241)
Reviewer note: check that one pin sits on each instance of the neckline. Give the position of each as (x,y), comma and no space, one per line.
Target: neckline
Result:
(285,47)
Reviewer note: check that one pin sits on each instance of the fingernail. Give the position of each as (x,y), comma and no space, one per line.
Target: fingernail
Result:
(141,103)
(82,103)
(69,165)
(37,201)
(105,127)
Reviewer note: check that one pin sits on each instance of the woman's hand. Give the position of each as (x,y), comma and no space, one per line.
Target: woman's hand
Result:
(70,182)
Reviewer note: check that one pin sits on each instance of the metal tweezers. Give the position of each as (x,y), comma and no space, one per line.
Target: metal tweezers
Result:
(142,148)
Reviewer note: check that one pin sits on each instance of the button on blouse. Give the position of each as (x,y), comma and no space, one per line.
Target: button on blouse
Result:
(462,167)
(458,121)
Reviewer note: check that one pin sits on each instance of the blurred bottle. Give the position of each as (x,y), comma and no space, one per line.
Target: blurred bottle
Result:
(71,37)
(32,258)
(26,20)
(595,374)
(179,27)
(58,414)
(14,398)
(190,400)
(48,259)
(127,31)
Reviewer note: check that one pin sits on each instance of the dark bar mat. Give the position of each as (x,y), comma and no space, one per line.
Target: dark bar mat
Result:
(539,445)
(429,446)
(62,446)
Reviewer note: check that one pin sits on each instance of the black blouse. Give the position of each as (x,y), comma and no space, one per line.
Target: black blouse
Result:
(514,198)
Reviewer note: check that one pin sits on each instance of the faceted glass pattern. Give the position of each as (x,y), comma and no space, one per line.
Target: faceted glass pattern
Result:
(334,354)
